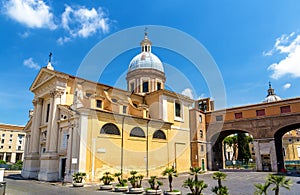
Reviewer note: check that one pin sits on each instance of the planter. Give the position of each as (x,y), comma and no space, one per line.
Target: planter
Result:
(136,190)
(150,191)
(121,188)
(78,184)
(106,187)
(172,193)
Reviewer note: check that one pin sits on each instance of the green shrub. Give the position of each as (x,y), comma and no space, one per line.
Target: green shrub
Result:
(2,162)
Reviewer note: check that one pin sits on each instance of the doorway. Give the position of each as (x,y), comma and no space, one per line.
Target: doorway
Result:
(63,167)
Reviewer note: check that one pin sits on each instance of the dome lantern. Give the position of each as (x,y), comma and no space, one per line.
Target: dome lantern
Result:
(145,71)
(271,97)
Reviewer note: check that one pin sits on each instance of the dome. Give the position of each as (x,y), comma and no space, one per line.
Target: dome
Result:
(272,98)
(145,60)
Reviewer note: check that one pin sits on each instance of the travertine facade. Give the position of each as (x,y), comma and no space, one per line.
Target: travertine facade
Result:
(12,143)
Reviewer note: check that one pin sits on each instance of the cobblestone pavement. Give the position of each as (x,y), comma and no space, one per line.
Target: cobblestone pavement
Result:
(239,183)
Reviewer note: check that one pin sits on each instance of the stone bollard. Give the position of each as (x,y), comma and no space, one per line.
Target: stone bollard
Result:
(1,174)
(2,183)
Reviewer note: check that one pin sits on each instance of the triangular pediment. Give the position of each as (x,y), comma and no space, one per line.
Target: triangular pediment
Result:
(43,76)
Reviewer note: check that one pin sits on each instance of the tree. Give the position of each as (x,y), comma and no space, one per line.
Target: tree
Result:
(219,176)
(262,189)
(170,172)
(279,181)
(243,148)
(220,189)
(195,185)
(106,178)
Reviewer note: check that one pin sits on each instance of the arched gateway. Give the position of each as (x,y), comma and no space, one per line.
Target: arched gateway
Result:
(267,122)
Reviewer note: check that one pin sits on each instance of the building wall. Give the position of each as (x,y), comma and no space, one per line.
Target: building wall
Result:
(291,145)
(12,143)
(71,141)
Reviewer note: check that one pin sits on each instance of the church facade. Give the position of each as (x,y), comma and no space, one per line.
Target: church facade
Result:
(80,125)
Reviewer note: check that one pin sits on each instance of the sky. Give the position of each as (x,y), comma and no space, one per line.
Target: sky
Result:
(252,42)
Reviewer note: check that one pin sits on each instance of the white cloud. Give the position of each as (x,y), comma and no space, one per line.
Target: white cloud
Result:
(287,86)
(32,13)
(83,22)
(188,92)
(290,64)
(63,40)
(31,64)
(24,35)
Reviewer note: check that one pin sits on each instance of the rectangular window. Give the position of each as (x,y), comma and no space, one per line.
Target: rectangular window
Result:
(2,141)
(202,148)
(99,103)
(158,86)
(238,115)
(10,141)
(1,147)
(124,109)
(47,112)
(11,135)
(146,87)
(285,109)
(9,147)
(219,118)
(3,135)
(177,109)
(260,112)
(200,118)
(19,148)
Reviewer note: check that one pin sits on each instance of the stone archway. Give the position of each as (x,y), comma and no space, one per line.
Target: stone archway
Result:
(278,143)
(215,152)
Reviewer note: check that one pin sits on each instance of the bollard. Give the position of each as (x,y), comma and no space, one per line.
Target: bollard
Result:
(2,183)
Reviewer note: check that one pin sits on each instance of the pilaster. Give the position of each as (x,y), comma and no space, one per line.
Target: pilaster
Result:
(49,169)
(32,162)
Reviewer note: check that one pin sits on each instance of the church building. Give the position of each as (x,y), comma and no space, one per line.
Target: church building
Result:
(80,125)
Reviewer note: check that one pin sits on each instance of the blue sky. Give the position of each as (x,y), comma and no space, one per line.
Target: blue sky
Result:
(252,42)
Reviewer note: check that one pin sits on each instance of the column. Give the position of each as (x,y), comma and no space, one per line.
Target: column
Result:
(83,130)
(257,155)
(35,130)
(53,134)
(49,122)
(273,156)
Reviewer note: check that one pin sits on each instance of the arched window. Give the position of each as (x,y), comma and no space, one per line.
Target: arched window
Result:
(110,128)
(137,132)
(159,134)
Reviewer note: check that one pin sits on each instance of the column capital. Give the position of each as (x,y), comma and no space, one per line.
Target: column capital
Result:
(56,93)
(36,101)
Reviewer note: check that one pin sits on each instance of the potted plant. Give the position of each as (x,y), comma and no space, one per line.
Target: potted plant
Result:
(170,172)
(154,186)
(121,186)
(196,186)
(279,181)
(106,179)
(78,179)
(220,189)
(136,183)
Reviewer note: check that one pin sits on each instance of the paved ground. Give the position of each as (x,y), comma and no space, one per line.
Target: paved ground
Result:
(239,183)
